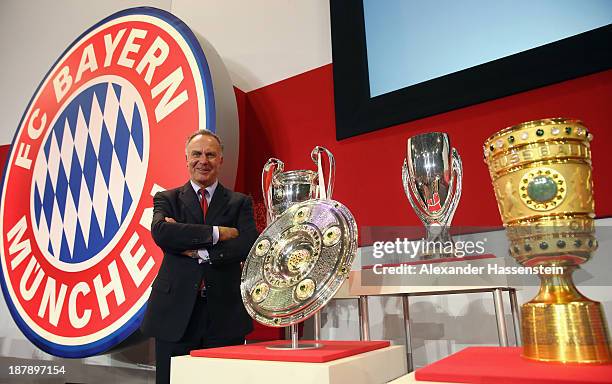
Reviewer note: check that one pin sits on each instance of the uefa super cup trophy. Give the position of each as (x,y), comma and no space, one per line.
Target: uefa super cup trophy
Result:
(431,176)
(281,189)
(541,173)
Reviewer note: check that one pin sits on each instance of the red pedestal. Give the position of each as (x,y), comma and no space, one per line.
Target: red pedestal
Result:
(331,350)
(498,365)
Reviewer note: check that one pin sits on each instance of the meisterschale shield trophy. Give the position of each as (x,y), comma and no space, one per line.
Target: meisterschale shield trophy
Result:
(305,253)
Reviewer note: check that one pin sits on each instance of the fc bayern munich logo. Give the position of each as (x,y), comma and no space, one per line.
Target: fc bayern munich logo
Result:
(103,131)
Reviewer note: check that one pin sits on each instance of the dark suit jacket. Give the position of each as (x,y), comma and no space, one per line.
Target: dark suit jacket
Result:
(176,286)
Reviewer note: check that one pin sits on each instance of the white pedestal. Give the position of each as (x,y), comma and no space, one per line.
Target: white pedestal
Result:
(367,283)
(379,366)
(409,379)
(364,283)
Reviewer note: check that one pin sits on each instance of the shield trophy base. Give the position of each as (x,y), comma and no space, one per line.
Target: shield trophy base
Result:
(300,346)
(561,325)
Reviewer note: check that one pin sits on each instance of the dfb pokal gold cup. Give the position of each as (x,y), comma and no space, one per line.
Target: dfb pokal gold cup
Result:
(541,173)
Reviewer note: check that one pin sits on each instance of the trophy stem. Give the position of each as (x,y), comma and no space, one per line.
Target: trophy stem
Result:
(439,243)
(295,344)
(562,325)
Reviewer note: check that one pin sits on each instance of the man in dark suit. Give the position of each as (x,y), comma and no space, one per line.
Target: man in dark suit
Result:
(205,231)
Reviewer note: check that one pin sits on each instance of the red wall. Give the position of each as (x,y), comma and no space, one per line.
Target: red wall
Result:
(287,119)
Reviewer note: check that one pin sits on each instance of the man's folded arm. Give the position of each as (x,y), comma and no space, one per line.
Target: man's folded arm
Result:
(177,237)
(236,250)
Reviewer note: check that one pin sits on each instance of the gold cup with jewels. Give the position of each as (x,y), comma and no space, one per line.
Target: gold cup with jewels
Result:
(541,173)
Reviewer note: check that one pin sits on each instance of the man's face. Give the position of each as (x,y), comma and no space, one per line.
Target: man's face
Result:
(204,158)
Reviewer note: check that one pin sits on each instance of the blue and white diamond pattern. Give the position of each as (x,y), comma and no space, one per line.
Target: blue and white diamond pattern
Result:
(90,172)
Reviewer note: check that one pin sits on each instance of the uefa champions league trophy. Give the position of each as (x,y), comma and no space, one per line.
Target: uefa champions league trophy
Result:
(431,176)
(542,177)
(281,189)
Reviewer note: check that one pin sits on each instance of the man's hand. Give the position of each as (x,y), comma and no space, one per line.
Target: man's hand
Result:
(227,233)
(193,253)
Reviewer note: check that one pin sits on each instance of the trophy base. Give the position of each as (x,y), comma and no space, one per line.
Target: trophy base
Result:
(570,332)
(435,256)
(300,346)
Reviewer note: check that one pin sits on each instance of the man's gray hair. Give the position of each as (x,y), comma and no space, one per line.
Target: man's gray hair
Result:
(202,132)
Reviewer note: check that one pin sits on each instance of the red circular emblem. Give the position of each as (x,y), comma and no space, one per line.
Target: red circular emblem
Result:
(101,135)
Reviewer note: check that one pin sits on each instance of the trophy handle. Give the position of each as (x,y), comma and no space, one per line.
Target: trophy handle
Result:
(408,188)
(455,187)
(315,155)
(271,168)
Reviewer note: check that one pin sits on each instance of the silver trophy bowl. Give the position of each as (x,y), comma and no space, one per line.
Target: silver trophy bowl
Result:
(291,187)
(281,189)
(431,176)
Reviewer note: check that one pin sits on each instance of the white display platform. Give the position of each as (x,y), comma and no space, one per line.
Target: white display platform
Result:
(367,283)
(379,366)
(409,379)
